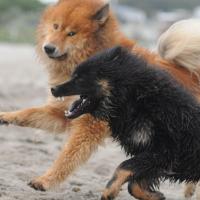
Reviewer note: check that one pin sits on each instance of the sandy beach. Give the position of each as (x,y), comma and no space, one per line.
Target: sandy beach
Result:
(26,153)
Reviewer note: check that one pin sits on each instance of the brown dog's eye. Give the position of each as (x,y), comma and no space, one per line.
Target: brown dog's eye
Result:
(72,33)
(55,26)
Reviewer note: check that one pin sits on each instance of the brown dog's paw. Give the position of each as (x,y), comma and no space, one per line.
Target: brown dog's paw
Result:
(37,186)
(40,184)
(3,120)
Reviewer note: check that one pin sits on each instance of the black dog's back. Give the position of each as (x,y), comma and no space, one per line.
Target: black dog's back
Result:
(153,115)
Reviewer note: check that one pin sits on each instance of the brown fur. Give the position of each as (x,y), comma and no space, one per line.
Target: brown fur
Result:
(188,80)
(77,151)
(86,133)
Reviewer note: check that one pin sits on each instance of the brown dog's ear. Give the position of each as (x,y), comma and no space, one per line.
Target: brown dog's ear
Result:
(102,14)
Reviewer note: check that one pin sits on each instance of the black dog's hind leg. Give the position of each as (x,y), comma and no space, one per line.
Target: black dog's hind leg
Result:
(140,168)
(121,176)
(143,192)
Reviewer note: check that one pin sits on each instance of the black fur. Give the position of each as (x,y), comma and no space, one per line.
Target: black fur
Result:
(151,115)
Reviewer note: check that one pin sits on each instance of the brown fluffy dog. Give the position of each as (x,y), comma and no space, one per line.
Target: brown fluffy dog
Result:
(70,32)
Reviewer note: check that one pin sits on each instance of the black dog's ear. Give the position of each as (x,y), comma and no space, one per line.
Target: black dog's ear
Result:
(102,14)
(115,52)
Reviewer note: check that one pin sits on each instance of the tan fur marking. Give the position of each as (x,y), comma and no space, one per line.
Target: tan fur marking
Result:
(189,190)
(141,193)
(119,178)
(105,87)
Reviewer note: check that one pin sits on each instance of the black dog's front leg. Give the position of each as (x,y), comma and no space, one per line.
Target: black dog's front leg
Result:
(138,171)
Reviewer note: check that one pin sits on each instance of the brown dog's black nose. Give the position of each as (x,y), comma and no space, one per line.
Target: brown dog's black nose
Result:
(49,49)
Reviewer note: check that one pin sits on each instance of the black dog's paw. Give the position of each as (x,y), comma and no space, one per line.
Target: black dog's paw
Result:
(158,196)
(37,186)
(189,190)
(107,198)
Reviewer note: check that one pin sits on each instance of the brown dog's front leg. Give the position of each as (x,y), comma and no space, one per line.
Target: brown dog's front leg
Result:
(48,118)
(86,135)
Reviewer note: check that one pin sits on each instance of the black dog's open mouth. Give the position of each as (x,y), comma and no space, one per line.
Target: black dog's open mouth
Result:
(81,106)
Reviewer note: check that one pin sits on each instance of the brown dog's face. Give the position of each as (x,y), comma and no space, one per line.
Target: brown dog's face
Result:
(70,26)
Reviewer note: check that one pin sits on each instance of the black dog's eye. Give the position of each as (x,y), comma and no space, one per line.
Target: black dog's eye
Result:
(75,76)
(80,80)
(72,33)
(55,26)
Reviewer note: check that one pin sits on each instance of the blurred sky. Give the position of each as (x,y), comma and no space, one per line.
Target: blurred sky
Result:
(47,1)
(143,20)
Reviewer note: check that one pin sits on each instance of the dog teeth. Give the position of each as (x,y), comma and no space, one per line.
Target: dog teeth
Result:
(67,113)
(84,100)
(63,98)
(60,99)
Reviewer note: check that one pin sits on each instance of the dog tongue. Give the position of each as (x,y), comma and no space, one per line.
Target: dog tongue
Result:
(74,109)
(75,105)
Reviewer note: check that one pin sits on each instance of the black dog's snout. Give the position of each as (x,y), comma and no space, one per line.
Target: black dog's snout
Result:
(65,89)
(49,49)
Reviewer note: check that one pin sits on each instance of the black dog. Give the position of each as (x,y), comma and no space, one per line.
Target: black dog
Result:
(153,117)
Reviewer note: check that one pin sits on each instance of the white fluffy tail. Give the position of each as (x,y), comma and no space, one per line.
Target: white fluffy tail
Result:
(180,44)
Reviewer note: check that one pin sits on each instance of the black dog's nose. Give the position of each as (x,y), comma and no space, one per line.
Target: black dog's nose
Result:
(49,49)
(54,91)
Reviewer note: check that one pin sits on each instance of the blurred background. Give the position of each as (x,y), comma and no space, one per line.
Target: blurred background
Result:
(26,153)
(143,20)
